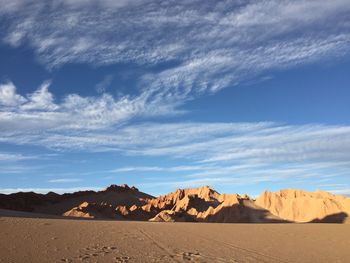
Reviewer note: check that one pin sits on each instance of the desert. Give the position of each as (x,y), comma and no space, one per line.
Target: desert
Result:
(122,224)
(142,131)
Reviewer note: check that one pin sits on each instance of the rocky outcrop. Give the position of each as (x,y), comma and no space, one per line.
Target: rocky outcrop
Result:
(206,205)
(120,188)
(93,210)
(301,206)
(171,216)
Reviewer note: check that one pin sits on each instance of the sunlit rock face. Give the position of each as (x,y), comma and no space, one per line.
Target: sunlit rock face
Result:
(300,206)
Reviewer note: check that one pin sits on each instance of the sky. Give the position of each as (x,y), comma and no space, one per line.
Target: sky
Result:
(242,95)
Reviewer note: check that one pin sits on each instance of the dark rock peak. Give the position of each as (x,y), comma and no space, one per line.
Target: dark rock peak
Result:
(120,188)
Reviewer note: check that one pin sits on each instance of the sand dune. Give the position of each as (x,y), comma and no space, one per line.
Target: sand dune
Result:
(201,204)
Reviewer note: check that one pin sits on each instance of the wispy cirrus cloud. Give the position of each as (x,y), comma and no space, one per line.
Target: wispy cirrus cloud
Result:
(102,86)
(183,168)
(206,46)
(205,143)
(10,157)
(65,180)
(314,176)
(39,111)
(203,48)
(186,49)
(101,124)
(341,191)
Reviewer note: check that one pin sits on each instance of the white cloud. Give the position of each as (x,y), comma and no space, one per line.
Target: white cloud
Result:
(65,180)
(221,45)
(4,156)
(246,173)
(9,97)
(205,47)
(344,191)
(102,86)
(210,45)
(205,143)
(39,112)
(41,99)
(183,168)
(101,124)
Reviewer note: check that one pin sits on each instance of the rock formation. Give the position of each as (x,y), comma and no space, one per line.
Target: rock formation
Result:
(201,204)
(93,210)
(206,205)
(300,206)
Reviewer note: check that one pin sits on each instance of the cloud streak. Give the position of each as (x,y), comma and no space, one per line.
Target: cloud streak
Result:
(203,48)
(38,111)
(206,46)
(101,124)
(205,143)
(14,157)
(185,49)
(65,180)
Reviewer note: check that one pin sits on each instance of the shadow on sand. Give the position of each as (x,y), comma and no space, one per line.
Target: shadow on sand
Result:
(337,218)
(240,213)
(225,215)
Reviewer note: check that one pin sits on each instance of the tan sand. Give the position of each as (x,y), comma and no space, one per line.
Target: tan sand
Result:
(77,240)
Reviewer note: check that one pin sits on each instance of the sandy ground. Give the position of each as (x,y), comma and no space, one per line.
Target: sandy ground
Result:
(66,240)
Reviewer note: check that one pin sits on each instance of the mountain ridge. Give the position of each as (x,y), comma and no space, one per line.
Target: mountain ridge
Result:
(202,204)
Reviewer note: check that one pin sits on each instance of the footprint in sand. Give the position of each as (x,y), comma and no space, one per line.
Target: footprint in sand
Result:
(196,257)
(96,251)
(66,260)
(189,257)
(122,259)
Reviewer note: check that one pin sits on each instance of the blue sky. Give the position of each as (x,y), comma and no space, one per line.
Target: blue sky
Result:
(240,95)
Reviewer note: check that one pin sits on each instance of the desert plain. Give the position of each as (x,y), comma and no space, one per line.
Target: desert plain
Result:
(122,224)
(25,239)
